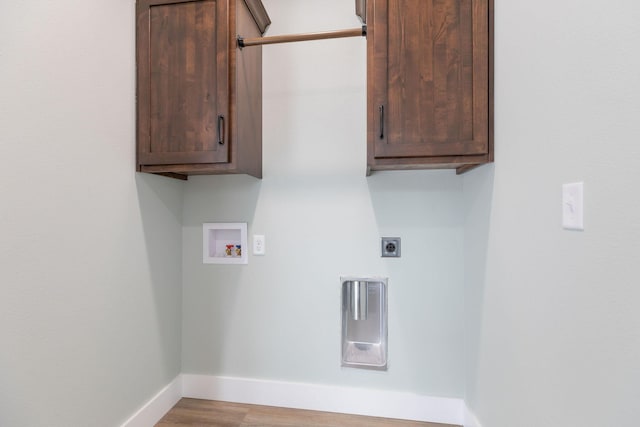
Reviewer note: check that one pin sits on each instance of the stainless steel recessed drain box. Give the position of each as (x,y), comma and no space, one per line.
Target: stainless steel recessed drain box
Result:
(364,322)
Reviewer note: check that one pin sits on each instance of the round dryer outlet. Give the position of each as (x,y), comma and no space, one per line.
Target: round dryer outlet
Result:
(391,247)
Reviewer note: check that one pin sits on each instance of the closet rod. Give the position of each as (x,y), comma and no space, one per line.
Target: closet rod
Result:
(356,32)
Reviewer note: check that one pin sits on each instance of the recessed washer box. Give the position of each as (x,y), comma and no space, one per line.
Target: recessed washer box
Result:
(224,243)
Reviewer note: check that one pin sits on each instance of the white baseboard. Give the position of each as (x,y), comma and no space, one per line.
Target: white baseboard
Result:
(376,403)
(470,419)
(346,400)
(158,406)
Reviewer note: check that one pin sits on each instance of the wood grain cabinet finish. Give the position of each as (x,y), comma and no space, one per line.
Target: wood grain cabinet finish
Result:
(429,91)
(199,97)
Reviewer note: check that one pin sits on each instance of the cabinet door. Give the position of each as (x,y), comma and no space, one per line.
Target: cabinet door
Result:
(183,82)
(429,83)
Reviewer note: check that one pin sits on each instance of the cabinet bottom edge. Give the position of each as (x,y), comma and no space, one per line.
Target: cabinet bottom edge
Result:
(460,168)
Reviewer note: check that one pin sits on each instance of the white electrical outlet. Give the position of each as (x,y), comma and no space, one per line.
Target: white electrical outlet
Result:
(572,206)
(258,244)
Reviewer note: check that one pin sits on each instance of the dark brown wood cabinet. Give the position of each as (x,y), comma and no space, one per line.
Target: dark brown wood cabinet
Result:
(199,97)
(429,90)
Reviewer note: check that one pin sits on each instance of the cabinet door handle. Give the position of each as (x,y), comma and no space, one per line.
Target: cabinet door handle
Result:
(381,121)
(221,130)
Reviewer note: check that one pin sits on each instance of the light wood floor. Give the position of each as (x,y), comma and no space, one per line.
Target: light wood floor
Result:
(193,412)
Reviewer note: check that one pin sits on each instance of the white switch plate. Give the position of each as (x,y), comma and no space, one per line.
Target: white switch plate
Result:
(258,244)
(573,206)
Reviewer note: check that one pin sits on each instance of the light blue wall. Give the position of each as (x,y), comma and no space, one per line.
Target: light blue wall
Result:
(90,272)
(278,317)
(538,320)
(552,323)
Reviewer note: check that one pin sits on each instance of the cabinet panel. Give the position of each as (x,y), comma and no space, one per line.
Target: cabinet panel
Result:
(186,88)
(428,70)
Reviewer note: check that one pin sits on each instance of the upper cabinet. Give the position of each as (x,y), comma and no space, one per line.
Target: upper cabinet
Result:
(429,91)
(199,97)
